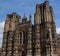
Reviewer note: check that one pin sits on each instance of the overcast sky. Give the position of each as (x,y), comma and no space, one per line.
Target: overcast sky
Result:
(27,7)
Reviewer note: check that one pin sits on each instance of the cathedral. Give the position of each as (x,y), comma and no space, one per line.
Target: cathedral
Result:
(22,38)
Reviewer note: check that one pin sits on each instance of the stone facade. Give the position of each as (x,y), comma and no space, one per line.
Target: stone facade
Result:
(22,38)
(58,44)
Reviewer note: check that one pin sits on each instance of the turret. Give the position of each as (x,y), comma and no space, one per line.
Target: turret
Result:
(24,20)
(30,17)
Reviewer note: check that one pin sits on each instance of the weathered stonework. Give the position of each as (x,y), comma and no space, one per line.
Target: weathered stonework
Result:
(25,39)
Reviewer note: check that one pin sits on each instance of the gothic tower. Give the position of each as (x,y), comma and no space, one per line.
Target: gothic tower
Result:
(45,30)
(8,36)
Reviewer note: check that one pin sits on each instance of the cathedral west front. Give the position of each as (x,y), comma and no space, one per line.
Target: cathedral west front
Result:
(22,38)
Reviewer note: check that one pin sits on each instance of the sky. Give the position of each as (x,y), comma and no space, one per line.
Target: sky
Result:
(27,7)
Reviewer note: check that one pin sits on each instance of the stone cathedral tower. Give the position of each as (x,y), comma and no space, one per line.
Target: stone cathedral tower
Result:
(45,30)
(22,38)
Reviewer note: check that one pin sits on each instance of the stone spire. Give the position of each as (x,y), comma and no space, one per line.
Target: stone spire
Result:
(30,17)
(24,19)
(24,16)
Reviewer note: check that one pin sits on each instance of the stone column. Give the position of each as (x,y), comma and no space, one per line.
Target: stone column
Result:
(52,44)
(16,38)
(10,43)
(29,43)
(37,40)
